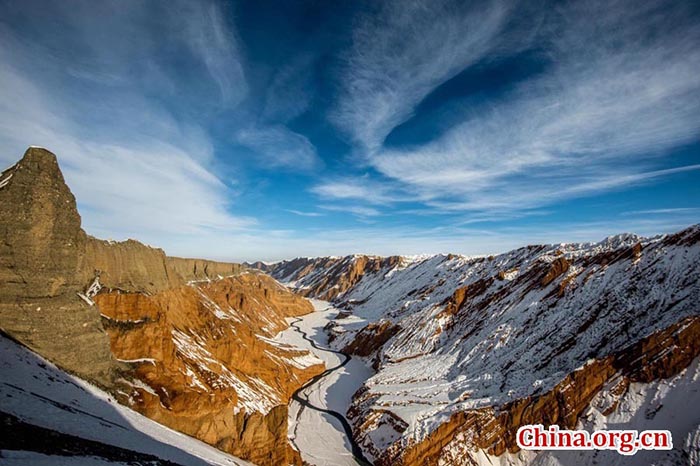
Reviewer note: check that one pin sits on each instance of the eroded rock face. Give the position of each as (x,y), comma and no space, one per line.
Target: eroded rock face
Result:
(42,249)
(127,265)
(372,337)
(203,363)
(659,356)
(199,269)
(556,269)
(46,260)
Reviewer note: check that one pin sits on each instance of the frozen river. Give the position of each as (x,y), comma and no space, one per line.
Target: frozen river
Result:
(317,425)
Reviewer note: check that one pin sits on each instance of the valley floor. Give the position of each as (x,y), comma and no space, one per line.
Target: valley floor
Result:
(319,436)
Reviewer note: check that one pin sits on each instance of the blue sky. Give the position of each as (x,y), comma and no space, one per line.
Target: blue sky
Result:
(269,130)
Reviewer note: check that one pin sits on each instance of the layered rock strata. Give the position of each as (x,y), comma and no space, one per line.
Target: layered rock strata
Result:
(43,266)
(200,269)
(327,277)
(204,363)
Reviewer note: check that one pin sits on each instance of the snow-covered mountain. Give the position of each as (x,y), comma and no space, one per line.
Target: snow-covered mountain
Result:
(468,349)
(464,350)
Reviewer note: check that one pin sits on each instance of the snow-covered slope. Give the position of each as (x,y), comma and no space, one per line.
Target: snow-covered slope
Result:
(50,417)
(466,349)
(642,407)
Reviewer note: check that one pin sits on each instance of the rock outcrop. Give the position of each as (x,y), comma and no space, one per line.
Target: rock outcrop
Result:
(42,257)
(199,269)
(371,338)
(46,260)
(327,277)
(127,265)
(185,341)
(559,266)
(661,355)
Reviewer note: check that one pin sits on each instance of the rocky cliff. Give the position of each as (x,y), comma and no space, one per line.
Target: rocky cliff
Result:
(127,265)
(49,417)
(468,349)
(199,269)
(203,361)
(184,341)
(42,267)
(46,260)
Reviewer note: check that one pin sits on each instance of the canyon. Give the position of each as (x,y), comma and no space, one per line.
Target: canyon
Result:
(466,349)
(399,360)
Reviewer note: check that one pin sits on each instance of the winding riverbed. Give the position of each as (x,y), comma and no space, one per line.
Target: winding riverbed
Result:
(317,425)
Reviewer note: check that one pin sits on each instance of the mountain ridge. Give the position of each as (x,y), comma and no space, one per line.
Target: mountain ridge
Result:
(448,334)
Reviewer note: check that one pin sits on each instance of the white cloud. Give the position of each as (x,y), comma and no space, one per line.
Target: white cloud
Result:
(305,214)
(136,170)
(290,91)
(621,92)
(360,211)
(360,188)
(276,146)
(204,30)
(401,53)
(670,211)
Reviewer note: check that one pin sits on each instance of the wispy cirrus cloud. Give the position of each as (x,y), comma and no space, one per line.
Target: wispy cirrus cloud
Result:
(136,169)
(291,90)
(273,143)
(402,52)
(621,91)
(158,112)
(361,188)
(205,31)
(670,211)
(278,147)
(358,210)
(302,213)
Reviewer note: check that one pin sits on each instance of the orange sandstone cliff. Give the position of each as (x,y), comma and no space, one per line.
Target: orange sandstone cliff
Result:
(203,362)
